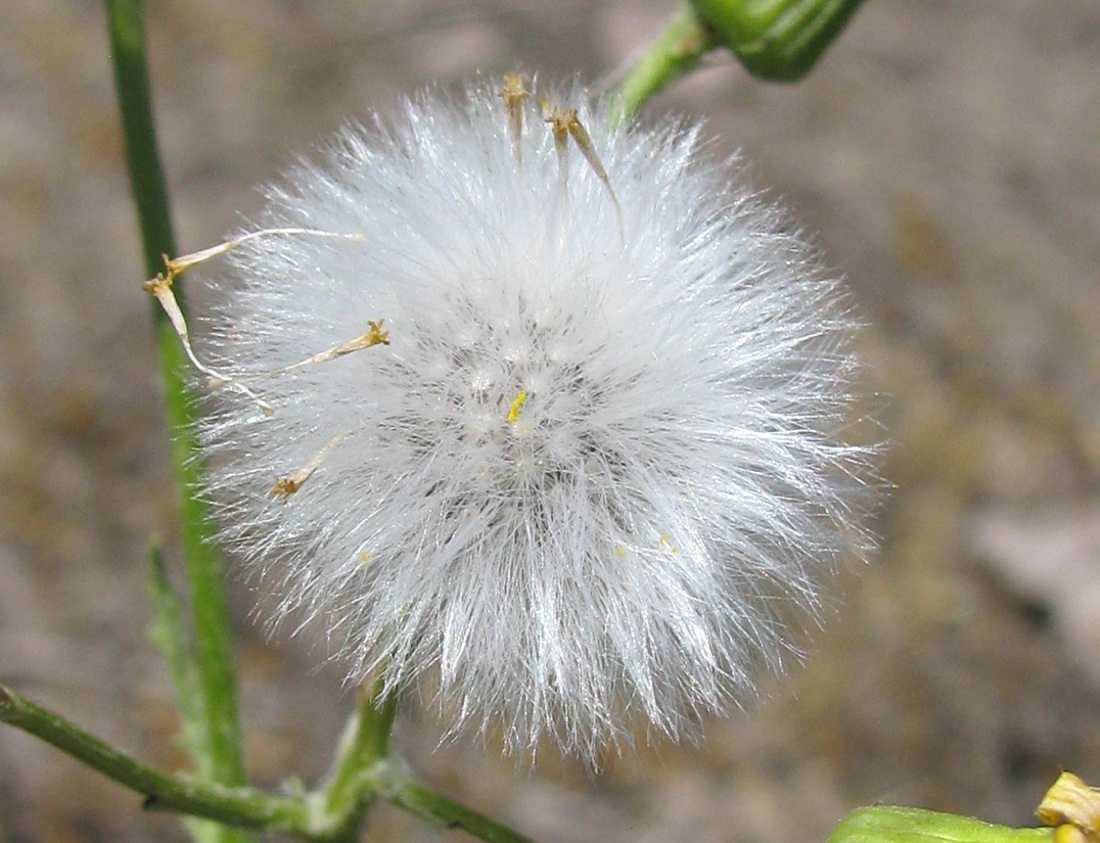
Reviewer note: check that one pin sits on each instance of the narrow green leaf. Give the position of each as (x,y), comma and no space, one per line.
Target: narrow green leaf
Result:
(170,638)
(891,824)
(168,635)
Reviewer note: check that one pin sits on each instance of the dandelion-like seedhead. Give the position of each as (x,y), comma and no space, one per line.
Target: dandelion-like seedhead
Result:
(584,455)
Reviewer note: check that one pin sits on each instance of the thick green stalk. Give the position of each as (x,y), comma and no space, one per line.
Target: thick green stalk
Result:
(205,571)
(365,741)
(364,744)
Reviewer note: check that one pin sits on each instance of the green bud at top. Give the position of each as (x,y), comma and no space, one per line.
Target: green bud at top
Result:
(778,40)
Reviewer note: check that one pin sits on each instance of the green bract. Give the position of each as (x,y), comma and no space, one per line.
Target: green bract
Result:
(778,40)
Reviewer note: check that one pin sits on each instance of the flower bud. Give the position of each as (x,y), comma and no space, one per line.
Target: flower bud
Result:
(778,40)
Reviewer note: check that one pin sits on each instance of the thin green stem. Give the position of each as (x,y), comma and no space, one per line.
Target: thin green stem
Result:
(205,571)
(127,32)
(238,806)
(676,52)
(439,810)
(315,817)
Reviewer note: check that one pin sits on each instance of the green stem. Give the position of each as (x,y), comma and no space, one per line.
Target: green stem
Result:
(205,574)
(127,33)
(363,769)
(163,792)
(676,52)
(361,772)
(363,745)
(439,810)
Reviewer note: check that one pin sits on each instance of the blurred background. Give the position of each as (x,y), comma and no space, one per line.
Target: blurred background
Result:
(946,155)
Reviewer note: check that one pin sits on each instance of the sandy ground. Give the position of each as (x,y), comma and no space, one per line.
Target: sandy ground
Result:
(946,153)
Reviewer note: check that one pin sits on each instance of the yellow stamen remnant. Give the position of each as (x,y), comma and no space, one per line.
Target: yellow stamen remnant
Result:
(620,551)
(286,486)
(514,93)
(664,544)
(374,336)
(1067,833)
(517,403)
(564,124)
(1074,808)
(364,558)
(161,288)
(558,121)
(176,266)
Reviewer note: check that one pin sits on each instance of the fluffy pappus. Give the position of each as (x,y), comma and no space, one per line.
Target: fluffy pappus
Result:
(568,449)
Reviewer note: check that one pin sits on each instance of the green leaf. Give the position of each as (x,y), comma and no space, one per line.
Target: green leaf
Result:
(890,824)
(168,635)
(170,638)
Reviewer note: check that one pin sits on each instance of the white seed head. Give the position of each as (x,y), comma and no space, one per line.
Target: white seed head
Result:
(594,460)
